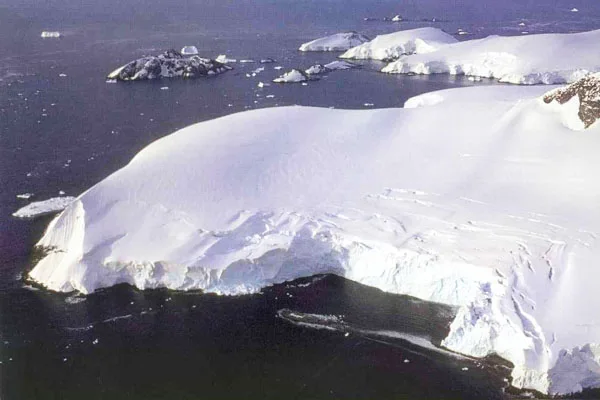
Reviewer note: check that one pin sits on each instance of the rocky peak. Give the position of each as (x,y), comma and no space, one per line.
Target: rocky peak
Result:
(588,91)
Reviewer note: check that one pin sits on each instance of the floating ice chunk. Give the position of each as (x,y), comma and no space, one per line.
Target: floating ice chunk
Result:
(164,88)
(397,18)
(292,76)
(25,196)
(50,34)
(189,50)
(262,85)
(336,42)
(247,61)
(406,361)
(62,75)
(337,65)
(95,341)
(267,61)
(574,10)
(39,208)
(222,58)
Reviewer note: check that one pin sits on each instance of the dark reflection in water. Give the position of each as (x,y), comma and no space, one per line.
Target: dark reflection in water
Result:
(123,343)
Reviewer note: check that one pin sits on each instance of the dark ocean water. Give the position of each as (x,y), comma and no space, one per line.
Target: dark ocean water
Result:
(65,133)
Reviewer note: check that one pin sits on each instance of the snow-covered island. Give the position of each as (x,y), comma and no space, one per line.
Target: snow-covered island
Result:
(337,42)
(169,64)
(531,59)
(391,46)
(482,198)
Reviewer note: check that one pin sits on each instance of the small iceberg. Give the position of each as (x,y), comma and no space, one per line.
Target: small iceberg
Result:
(50,34)
(319,69)
(189,51)
(292,76)
(223,59)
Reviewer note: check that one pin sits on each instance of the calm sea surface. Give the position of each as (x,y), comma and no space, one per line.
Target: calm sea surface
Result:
(65,133)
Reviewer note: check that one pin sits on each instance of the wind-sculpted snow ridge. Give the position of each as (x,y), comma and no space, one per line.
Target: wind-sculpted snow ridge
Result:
(485,202)
(44,207)
(394,45)
(585,96)
(337,42)
(526,60)
(167,65)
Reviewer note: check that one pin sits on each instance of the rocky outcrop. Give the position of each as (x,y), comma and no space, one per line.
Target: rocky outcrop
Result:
(169,64)
(588,91)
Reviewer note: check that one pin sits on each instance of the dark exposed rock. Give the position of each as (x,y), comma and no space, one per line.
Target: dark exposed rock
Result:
(166,65)
(588,90)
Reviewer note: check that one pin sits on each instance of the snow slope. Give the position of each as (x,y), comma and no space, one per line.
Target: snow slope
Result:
(44,207)
(531,59)
(393,45)
(484,201)
(337,42)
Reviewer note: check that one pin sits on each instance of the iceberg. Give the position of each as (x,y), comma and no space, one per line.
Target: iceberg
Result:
(223,59)
(189,51)
(481,199)
(391,46)
(44,207)
(50,34)
(169,64)
(527,60)
(337,42)
(319,69)
(293,76)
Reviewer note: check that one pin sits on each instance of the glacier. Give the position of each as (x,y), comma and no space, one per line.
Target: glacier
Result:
(481,198)
(531,59)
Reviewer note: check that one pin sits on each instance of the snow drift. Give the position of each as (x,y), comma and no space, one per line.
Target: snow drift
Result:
(393,45)
(482,199)
(532,59)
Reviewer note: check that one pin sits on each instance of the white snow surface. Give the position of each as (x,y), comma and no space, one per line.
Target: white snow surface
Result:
(533,59)
(393,45)
(39,208)
(484,201)
(337,42)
